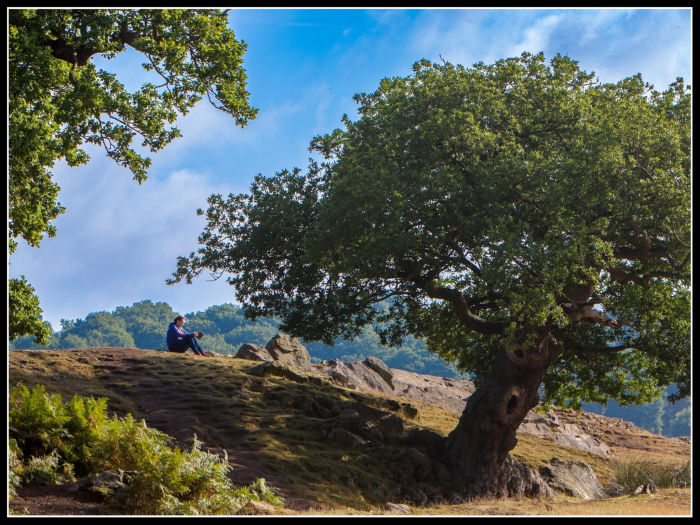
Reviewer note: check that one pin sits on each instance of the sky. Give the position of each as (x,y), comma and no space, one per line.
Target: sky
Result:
(118,241)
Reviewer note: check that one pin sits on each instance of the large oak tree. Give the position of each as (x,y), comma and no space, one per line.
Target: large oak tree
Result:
(59,100)
(530,222)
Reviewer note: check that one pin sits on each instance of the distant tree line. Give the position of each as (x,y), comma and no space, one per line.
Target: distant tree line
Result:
(144,324)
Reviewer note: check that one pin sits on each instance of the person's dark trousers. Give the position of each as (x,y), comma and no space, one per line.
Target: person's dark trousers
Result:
(186,342)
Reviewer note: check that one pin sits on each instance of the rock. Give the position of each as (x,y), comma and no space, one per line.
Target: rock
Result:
(521,480)
(253,352)
(349,420)
(289,351)
(547,426)
(648,488)
(259,508)
(111,479)
(574,478)
(450,395)
(275,368)
(345,438)
(395,508)
(380,368)
(417,463)
(382,428)
(355,375)
(424,438)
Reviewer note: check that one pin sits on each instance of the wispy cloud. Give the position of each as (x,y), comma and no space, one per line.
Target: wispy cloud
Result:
(536,37)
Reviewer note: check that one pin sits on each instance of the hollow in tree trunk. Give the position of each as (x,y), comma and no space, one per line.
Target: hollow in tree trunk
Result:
(477,451)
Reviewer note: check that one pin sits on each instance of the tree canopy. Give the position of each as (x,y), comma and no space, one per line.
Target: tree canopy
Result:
(58,100)
(490,203)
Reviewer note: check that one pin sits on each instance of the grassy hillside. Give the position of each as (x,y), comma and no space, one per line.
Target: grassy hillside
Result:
(270,428)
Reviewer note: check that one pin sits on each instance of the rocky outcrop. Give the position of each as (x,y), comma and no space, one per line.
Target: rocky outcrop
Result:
(367,424)
(519,479)
(274,368)
(548,426)
(397,508)
(381,369)
(356,375)
(289,351)
(281,349)
(450,394)
(574,478)
(253,352)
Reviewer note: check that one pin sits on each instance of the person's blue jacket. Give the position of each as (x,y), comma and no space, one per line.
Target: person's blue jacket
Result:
(174,333)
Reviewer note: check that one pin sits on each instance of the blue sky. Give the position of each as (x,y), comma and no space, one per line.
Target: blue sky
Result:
(118,242)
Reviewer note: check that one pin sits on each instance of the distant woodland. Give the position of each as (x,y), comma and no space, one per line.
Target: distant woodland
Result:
(144,324)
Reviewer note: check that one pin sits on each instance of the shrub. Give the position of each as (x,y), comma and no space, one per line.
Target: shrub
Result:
(14,467)
(47,470)
(38,412)
(170,481)
(87,419)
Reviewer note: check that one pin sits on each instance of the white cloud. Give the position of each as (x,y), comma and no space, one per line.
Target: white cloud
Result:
(536,37)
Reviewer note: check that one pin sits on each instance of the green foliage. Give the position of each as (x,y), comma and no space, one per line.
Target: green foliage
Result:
(87,417)
(59,100)
(493,204)
(14,467)
(169,480)
(227,329)
(681,423)
(47,470)
(38,412)
(25,313)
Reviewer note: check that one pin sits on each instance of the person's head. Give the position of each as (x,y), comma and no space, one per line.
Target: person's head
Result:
(180,320)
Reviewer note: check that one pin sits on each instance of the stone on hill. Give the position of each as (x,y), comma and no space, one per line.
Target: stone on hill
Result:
(397,508)
(253,352)
(355,375)
(260,508)
(345,439)
(574,478)
(289,351)
(548,426)
(380,368)
(275,368)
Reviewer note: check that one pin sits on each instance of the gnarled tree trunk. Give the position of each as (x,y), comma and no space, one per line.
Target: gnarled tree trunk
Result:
(477,450)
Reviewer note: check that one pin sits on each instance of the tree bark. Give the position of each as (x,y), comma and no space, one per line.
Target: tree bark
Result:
(477,450)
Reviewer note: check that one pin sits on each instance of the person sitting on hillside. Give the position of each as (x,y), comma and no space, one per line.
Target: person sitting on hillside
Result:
(179,341)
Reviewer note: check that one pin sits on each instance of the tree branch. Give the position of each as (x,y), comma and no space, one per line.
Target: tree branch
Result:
(461,304)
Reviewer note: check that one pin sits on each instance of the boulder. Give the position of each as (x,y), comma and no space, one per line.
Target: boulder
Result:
(112,479)
(355,375)
(574,478)
(349,420)
(253,352)
(345,438)
(415,462)
(548,426)
(260,508)
(380,368)
(519,479)
(396,508)
(275,368)
(424,438)
(289,351)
